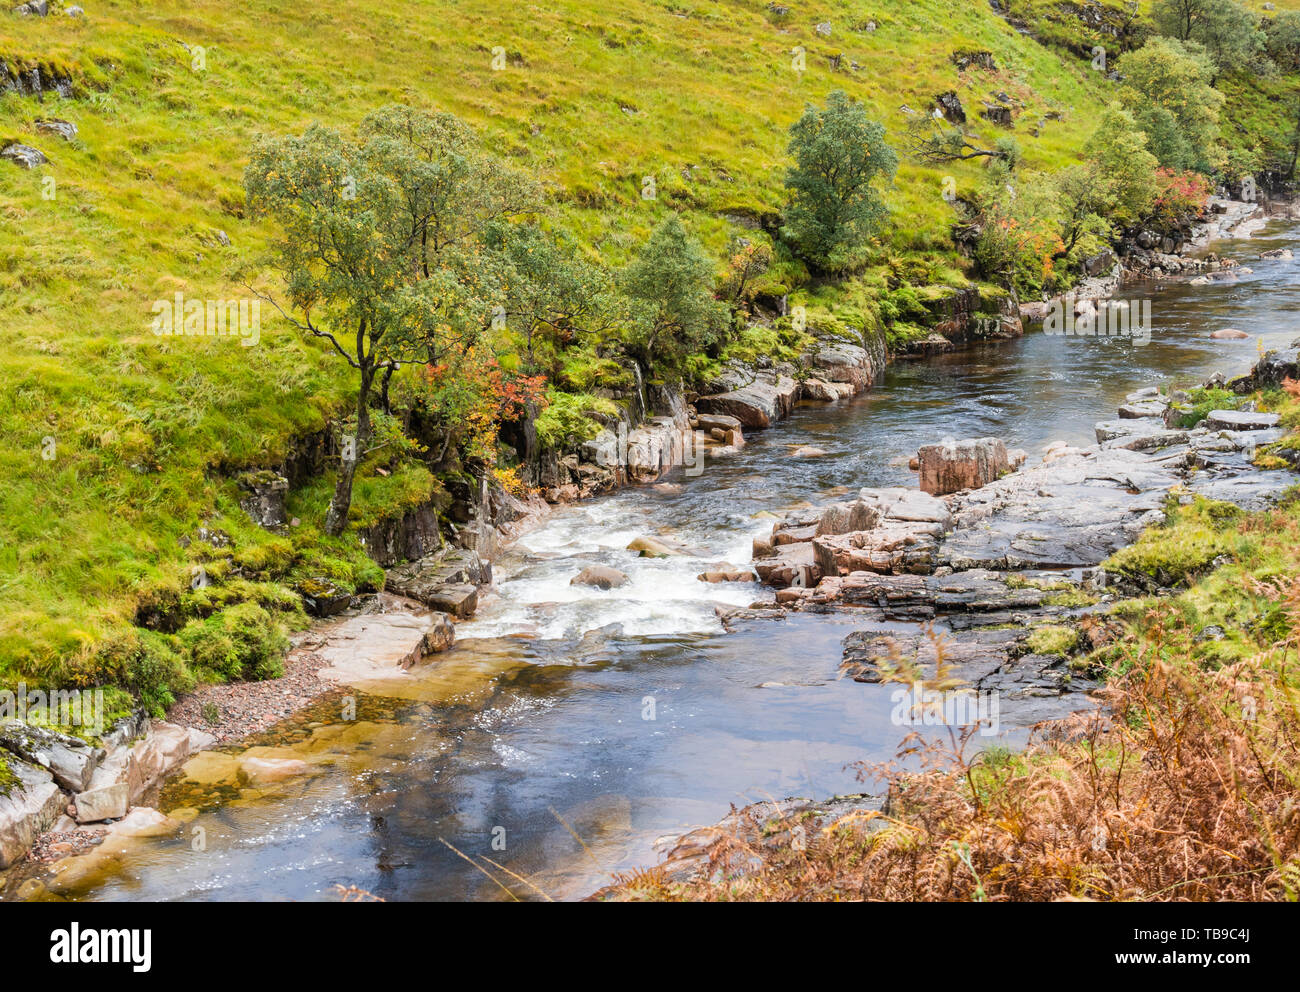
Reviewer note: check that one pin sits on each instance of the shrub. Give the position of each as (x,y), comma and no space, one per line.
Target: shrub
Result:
(240,642)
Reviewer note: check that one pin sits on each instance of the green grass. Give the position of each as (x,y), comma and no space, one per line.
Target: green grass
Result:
(145,429)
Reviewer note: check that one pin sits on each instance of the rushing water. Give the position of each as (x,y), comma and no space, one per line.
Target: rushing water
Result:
(534,730)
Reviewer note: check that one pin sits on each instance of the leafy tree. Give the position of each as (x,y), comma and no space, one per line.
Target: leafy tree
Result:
(669,285)
(551,294)
(833,207)
(1282,40)
(1121,154)
(932,142)
(381,246)
(1168,93)
(1229,32)
(747,260)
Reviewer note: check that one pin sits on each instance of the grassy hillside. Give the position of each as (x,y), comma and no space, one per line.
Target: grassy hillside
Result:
(111,436)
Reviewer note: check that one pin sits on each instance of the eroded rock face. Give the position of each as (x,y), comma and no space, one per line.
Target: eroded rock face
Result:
(70,760)
(445,581)
(131,769)
(264,498)
(954,466)
(28,810)
(768,398)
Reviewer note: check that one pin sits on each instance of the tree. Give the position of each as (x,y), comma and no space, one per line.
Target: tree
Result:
(1120,152)
(1229,32)
(931,142)
(833,207)
(1282,35)
(550,293)
(747,260)
(669,284)
(381,246)
(1168,93)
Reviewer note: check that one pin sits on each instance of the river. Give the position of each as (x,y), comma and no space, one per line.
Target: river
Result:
(620,717)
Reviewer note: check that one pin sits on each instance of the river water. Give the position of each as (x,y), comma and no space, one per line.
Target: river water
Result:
(569,728)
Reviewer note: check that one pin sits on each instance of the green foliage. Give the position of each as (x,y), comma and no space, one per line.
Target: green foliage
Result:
(1052,639)
(1282,40)
(146,663)
(670,288)
(385,249)
(838,154)
(553,298)
(1205,400)
(241,642)
(1168,90)
(1121,156)
(1193,537)
(568,419)
(1229,31)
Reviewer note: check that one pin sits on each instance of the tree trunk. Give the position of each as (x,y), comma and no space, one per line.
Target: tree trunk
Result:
(337,517)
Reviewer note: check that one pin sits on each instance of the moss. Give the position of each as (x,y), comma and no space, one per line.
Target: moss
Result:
(1052,640)
(241,642)
(8,778)
(569,419)
(1192,538)
(1205,400)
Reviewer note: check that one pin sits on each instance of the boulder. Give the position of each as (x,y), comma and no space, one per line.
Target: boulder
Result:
(424,579)
(599,576)
(51,125)
(844,518)
(23,156)
(655,547)
(717,421)
(1230,334)
(28,808)
(440,635)
(838,362)
(954,466)
(1139,411)
(322,598)
(768,398)
(726,573)
(144,821)
(1282,253)
(461,601)
(70,760)
(1240,420)
(107,802)
(791,565)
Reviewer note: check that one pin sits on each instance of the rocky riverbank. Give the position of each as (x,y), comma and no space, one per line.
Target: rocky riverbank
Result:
(75,789)
(1147,255)
(999,588)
